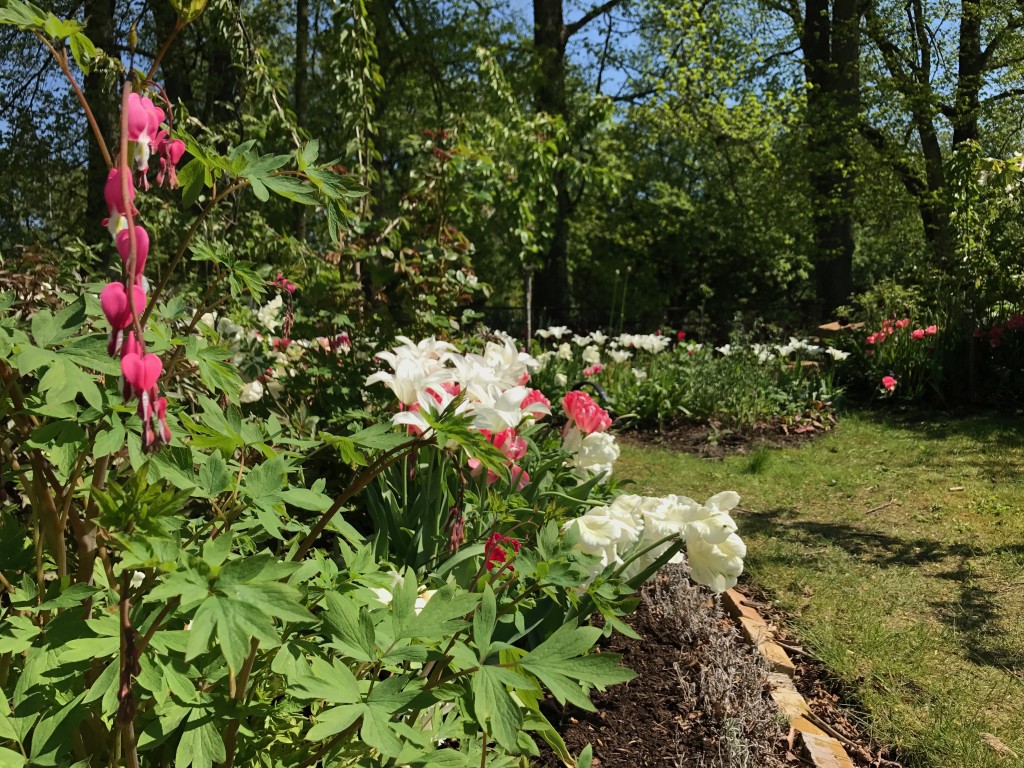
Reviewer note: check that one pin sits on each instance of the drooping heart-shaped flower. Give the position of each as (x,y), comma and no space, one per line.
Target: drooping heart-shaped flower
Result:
(117,307)
(112,193)
(141,249)
(141,371)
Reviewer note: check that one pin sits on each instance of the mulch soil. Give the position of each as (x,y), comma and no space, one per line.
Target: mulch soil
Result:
(701,695)
(711,440)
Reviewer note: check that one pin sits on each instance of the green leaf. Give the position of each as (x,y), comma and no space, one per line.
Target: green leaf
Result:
(49,329)
(355,638)
(265,480)
(308,154)
(191,177)
(335,720)
(9,758)
(333,683)
(201,745)
(484,621)
(494,708)
(83,50)
(559,664)
(23,15)
(109,440)
(214,477)
(443,615)
(304,498)
(69,598)
(586,757)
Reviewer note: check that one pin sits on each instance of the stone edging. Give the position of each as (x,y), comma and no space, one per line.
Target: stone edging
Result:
(818,747)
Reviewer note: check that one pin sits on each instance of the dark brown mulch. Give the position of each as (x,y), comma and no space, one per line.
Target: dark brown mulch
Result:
(832,704)
(700,697)
(712,440)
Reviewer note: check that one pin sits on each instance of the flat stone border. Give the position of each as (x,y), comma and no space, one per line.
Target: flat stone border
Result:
(822,750)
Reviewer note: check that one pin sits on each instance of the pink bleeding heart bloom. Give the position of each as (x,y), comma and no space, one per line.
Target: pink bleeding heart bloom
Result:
(170,151)
(141,371)
(155,430)
(583,412)
(917,333)
(144,118)
(888,383)
(117,307)
(115,200)
(130,346)
(123,239)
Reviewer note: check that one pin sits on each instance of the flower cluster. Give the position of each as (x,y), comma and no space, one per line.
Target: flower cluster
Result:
(498,549)
(996,332)
(489,388)
(593,450)
(890,327)
(124,303)
(633,531)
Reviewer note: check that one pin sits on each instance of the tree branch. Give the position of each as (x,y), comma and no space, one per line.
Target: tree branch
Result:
(589,16)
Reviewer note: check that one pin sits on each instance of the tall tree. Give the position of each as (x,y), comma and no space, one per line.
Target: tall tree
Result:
(551,35)
(830,39)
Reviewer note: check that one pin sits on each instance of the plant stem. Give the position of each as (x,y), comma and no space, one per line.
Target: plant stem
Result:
(180,25)
(358,483)
(62,60)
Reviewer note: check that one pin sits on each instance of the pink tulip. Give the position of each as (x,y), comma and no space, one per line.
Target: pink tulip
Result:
(917,333)
(889,383)
(931,330)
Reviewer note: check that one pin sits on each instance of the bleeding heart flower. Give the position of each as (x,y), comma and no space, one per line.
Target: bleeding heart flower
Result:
(123,240)
(116,306)
(115,200)
(171,151)
(141,371)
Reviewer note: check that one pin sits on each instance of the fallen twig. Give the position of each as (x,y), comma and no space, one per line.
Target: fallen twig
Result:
(880,507)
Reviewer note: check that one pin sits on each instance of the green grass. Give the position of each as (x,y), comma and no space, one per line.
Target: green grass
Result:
(917,604)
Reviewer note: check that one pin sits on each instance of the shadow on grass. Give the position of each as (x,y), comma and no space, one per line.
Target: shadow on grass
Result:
(974,614)
(1005,430)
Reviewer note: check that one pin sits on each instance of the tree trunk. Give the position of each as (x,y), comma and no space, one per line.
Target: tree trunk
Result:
(969,74)
(552,298)
(301,77)
(222,101)
(831,45)
(102,95)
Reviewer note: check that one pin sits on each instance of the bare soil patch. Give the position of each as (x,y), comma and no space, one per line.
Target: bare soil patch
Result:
(713,440)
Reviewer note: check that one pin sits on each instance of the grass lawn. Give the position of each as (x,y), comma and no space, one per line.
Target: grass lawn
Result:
(917,604)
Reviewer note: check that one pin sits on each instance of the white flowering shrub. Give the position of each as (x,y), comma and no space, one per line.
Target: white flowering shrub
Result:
(654,379)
